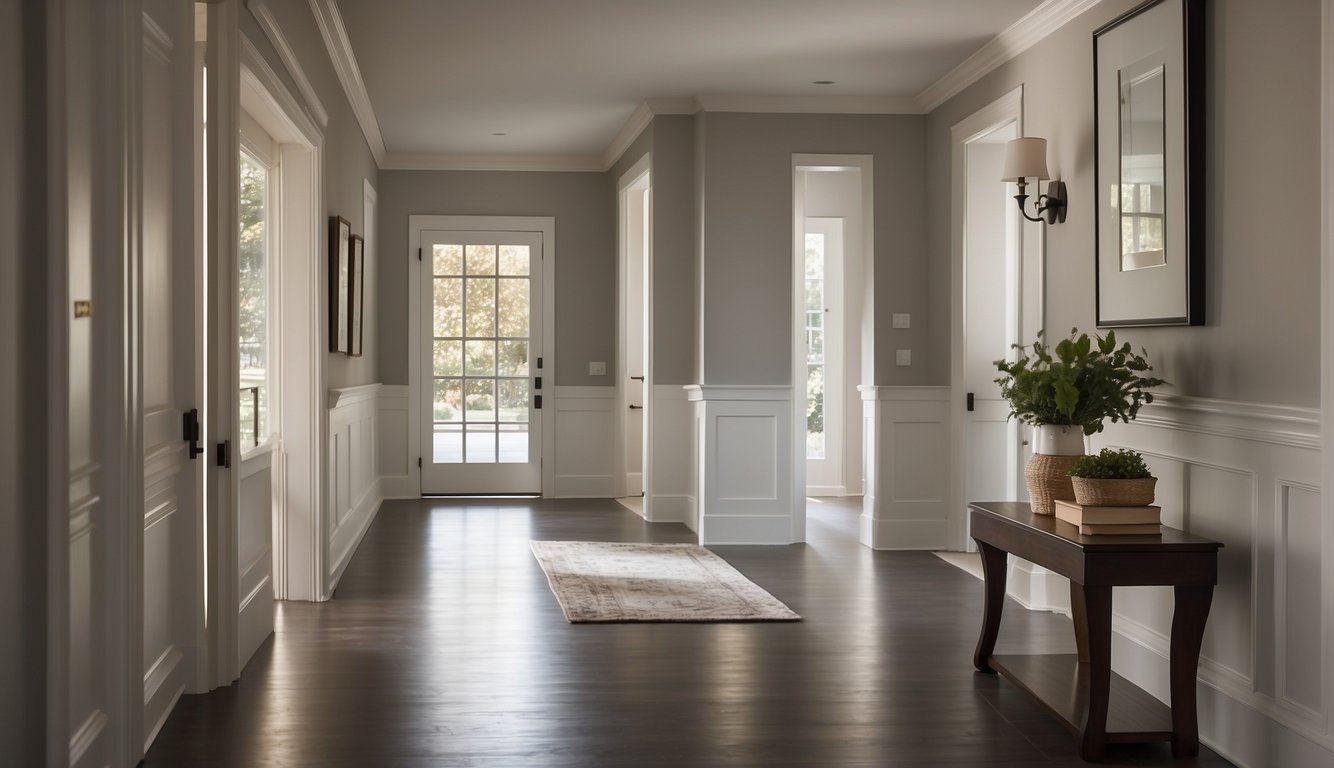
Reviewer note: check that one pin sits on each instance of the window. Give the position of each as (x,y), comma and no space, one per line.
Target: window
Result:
(815,344)
(254,331)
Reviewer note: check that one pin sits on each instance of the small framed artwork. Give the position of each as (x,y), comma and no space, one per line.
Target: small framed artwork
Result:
(358,291)
(340,280)
(1148,115)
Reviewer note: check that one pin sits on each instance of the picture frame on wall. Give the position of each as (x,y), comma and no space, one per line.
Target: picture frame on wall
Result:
(356,295)
(340,283)
(1149,169)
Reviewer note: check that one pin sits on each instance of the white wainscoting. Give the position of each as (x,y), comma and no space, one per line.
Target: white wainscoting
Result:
(395,455)
(745,466)
(1247,475)
(584,460)
(670,495)
(354,485)
(254,550)
(906,434)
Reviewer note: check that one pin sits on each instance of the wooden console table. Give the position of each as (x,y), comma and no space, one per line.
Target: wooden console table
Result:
(1080,690)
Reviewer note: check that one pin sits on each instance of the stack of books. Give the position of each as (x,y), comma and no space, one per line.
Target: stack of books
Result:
(1122,521)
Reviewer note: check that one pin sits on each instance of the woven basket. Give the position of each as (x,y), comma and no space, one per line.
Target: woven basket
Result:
(1048,480)
(1114,493)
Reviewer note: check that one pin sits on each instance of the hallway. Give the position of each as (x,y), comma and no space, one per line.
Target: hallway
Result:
(444,647)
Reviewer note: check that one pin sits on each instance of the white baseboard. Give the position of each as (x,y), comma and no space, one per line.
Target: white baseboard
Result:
(826,490)
(672,508)
(361,518)
(584,487)
(902,534)
(1037,588)
(401,487)
(745,529)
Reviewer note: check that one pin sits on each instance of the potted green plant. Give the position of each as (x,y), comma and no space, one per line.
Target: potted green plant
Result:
(1066,391)
(1112,478)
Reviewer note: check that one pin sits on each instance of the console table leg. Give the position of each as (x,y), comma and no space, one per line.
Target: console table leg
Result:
(993,572)
(1188,617)
(1079,613)
(1097,610)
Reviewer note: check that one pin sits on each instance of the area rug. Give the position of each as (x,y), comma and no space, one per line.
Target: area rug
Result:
(614,582)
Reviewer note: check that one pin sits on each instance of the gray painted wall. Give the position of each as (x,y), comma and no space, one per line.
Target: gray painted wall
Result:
(1262,255)
(674,325)
(746,244)
(583,205)
(347,162)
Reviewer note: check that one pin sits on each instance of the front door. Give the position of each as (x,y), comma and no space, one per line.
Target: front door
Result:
(482,381)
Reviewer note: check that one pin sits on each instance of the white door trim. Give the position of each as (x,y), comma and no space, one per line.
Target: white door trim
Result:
(1327,326)
(546,225)
(633,178)
(1007,109)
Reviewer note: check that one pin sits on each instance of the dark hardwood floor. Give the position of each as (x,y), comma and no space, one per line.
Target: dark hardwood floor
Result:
(444,647)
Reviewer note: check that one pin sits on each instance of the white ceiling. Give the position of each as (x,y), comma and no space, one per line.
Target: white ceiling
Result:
(563,77)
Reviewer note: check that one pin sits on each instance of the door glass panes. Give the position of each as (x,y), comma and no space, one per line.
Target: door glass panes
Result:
(252,315)
(815,342)
(481,354)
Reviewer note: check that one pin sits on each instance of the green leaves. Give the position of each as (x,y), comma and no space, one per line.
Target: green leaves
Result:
(1083,384)
(1110,464)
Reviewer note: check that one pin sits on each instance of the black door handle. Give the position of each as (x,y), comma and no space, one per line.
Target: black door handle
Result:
(636,407)
(190,431)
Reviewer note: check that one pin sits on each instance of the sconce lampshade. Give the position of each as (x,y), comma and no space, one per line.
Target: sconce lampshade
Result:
(1026,158)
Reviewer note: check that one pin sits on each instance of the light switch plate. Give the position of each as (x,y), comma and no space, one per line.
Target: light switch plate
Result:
(597,369)
(903,357)
(902,320)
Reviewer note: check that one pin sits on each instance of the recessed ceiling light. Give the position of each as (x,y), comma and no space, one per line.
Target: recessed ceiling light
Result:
(822,82)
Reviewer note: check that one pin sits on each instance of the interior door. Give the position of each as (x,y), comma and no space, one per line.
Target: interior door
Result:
(169,346)
(991,275)
(482,383)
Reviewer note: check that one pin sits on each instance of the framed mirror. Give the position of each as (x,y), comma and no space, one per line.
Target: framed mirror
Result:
(1149,172)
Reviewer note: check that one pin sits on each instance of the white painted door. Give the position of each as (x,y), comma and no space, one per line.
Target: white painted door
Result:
(991,317)
(634,301)
(169,346)
(823,308)
(483,373)
(259,444)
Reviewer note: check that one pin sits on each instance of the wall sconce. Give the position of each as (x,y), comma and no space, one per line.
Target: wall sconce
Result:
(1025,159)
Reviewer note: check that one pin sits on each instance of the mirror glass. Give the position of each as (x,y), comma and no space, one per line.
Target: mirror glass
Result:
(1142,199)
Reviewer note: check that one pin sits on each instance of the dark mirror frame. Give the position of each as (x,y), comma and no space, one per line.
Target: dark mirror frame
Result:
(1186,212)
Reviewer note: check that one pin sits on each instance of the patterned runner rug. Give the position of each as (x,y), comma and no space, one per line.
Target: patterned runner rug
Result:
(615,582)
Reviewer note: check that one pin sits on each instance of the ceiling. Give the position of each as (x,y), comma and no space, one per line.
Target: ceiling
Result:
(562,78)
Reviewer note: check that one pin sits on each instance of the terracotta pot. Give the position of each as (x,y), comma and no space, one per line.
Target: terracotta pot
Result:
(1055,449)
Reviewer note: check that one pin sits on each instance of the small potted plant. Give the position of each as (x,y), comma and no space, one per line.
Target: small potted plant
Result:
(1112,478)
(1066,391)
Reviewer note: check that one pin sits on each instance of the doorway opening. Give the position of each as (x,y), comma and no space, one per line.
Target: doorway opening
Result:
(634,366)
(833,325)
(998,301)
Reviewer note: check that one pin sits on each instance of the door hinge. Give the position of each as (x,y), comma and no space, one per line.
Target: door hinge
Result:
(539,363)
(224,454)
(419,254)
(419,462)
(537,402)
(968,401)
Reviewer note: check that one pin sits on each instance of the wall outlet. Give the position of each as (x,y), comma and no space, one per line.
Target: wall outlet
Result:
(902,320)
(597,369)
(903,357)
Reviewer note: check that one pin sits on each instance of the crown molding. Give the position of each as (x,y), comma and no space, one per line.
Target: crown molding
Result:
(827,105)
(434,162)
(639,120)
(1012,41)
(330,22)
(269,23)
